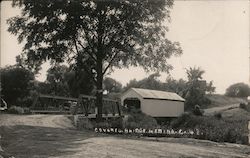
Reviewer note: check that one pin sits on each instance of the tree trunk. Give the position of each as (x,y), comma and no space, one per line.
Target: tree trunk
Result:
(99,91)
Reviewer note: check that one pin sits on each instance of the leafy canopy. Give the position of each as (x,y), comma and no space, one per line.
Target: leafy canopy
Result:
(65,81)
(111,85)
(16,83)
(197,88)
(238,90)
(96,35)
(115,33)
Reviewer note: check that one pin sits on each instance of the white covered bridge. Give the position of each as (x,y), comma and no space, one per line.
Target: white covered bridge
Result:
(154,103)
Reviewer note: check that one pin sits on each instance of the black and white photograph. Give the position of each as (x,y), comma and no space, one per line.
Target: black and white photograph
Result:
(125,79)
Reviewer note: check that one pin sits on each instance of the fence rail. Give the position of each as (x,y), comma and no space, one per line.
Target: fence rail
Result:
(84,104)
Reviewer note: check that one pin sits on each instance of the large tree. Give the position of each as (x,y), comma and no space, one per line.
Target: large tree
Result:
(16,83)
(238,90)
(57,81)
(150,82)
(65,81)
(196,88)
(79,82)
(111,85)
(96,35)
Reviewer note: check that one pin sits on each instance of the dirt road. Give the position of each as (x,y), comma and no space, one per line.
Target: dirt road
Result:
(212,111)
(53,136)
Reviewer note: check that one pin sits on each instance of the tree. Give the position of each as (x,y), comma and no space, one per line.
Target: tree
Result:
(96,35)
(238,90)
(150,82)
(79,82)
(16,83)
(56,80)
(111,85)
(23,63)
(177,86)
(196,88)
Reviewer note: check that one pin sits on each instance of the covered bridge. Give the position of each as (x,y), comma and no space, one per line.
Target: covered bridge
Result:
(154,103)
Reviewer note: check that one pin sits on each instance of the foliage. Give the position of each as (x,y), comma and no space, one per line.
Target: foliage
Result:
(16,84)
(138,119)
(214,129)
(177,86)
(238,90)
(18,110)
(96,35)
(218,115)
(111,85)
(22,62)
(196,88)
(79,82)
(150,82)
(84,124)
(56,80)
(65,81)
(110,123)
(245,106)
(197,110)
(15,110)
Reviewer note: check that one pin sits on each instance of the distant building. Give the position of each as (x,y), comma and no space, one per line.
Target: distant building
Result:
(154,103)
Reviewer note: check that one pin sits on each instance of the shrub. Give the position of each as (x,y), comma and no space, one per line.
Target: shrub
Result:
(84,123)
(213,129)
(197,110)
(26,110)
(243,106)
(19,110)
(16,110)
(218,115)
(140,120)
(116,123)
(182,121)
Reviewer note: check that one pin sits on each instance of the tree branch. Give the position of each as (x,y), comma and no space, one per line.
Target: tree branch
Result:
(110,62)
(84,67)
(91,55)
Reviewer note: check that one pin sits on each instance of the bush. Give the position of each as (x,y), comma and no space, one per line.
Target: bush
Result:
(140,120)
(84,123)
(19,110)
(218,115)
(243,106)
(197,110)
(116,123)
(186,121)
(16,110)
(213,129)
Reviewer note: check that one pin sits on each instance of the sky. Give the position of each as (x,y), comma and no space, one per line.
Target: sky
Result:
(214,36)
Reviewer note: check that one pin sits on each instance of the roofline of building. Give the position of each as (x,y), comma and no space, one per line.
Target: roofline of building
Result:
(164,99)
(133,89)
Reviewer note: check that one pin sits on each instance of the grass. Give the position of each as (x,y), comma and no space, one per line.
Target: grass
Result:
(221,100)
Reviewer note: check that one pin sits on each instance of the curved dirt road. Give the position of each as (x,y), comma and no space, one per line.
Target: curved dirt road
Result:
(43,136)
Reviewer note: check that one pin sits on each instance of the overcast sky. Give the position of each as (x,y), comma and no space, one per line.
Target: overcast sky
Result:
(214,35)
